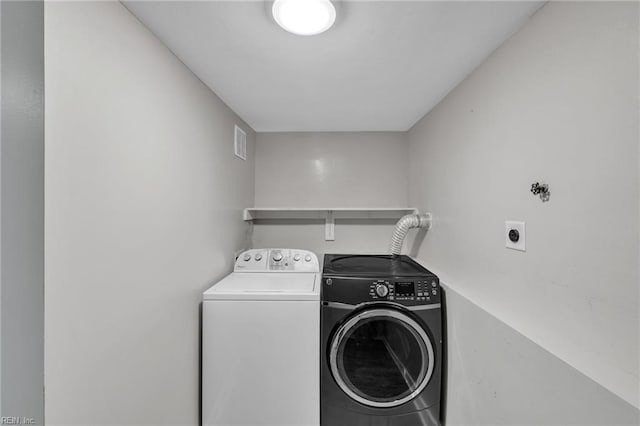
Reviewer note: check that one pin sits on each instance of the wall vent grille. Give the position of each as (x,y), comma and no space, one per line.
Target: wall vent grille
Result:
(240,143)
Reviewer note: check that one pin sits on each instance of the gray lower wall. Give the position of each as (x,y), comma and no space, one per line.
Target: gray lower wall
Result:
(497,376)
(22,211)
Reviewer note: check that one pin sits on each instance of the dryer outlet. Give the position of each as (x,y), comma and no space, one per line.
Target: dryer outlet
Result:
(515,236)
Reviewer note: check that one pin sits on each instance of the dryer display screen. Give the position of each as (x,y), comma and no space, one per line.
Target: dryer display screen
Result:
(405,289)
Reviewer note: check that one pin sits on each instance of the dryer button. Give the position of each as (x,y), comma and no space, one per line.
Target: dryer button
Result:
(382,290)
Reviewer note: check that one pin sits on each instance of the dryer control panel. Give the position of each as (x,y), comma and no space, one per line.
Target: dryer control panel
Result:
(277,260)
(420,289)
(408,291)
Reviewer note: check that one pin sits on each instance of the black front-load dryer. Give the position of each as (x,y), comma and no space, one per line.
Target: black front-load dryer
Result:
(382,337)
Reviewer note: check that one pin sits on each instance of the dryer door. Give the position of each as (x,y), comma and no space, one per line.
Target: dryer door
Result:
(381,358)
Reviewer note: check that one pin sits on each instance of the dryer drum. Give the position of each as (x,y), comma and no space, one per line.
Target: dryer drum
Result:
(381,358)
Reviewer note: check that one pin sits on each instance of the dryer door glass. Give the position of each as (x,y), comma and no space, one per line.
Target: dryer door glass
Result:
(381,358)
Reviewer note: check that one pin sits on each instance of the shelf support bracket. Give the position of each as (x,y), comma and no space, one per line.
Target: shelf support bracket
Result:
(329,227)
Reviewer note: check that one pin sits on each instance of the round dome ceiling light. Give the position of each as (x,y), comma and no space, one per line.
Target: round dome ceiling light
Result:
(304,17)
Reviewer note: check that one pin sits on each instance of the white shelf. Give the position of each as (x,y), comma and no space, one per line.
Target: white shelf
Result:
(329,214)
(321,213)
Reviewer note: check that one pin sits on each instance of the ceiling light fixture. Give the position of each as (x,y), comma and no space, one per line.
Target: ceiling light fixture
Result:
(304,17)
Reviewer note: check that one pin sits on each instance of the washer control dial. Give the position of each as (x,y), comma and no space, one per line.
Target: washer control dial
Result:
(307,258)
(246,257)
(382,290)
(277,256)
(296,257)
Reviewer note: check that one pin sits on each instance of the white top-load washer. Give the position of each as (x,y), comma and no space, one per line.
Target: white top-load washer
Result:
(261,342)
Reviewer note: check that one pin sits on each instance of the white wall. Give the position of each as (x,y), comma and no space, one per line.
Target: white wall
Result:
(557,103)
(22,210)
(350,169)
(143,212)
(144,199)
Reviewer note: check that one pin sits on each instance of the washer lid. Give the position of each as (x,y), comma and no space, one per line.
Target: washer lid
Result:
(266,286)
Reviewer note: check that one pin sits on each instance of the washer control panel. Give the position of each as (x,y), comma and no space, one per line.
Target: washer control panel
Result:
(277,260)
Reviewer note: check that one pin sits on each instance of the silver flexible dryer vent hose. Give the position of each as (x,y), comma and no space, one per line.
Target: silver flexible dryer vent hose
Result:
(402,227)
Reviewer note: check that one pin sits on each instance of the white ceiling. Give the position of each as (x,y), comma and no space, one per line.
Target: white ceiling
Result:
(383,65)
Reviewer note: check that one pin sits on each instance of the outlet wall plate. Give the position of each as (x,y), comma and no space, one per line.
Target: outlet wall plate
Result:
(520,228)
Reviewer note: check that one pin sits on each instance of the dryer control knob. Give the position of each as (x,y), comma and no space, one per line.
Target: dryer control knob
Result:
(307,258)
(247,257)
(258,257)
(382,290)
(296,257)
(277,256)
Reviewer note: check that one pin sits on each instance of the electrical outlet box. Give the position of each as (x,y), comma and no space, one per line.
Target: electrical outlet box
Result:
(515,235)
